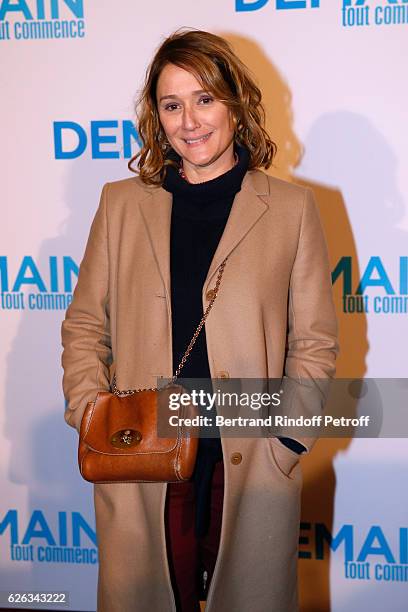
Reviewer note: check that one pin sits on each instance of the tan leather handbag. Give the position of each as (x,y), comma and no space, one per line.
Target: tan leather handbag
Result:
(118,439)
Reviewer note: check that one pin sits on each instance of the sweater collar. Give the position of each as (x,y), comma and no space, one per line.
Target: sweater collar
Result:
(206,198)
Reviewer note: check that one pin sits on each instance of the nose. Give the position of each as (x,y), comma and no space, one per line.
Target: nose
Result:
(189,119)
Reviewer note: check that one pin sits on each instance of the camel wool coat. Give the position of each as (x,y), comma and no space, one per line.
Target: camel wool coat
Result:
(273,318)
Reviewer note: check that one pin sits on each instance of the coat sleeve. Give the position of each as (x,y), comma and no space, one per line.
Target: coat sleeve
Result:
(312,344)
(85,332)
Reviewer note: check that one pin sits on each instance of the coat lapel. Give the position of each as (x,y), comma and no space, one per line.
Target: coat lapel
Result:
(247,208)
(156,211)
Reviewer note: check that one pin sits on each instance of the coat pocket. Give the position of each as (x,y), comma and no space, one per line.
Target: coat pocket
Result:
(284,458)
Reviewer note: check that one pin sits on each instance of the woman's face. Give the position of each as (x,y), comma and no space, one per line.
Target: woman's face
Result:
(198,127)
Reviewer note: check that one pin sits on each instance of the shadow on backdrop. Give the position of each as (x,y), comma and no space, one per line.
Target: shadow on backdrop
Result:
(347,151)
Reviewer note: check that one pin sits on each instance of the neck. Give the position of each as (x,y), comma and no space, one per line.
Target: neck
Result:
(195,173)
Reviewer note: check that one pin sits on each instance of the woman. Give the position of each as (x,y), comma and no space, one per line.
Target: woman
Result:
(155,247)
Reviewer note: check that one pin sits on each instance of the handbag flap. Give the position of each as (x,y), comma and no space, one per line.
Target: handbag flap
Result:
(128,425)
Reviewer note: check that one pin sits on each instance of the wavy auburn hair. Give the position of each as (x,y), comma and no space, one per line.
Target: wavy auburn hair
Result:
(212,61)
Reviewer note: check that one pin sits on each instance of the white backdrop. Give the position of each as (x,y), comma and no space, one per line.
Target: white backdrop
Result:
(336,99)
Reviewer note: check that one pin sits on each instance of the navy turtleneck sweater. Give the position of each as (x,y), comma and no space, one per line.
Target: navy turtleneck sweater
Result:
(199,214)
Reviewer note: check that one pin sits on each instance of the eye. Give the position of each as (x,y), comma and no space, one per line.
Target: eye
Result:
(206,100)
(170,107)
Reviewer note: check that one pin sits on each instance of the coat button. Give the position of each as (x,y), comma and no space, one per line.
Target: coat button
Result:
(223,374)
(236,458)
(210,295)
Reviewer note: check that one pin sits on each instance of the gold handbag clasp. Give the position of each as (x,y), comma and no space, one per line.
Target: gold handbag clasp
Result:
(126,438)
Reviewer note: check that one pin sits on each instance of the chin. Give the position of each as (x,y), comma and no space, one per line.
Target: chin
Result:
(200,158)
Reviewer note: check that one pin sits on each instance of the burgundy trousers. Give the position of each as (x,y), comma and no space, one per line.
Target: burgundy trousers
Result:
(189,556)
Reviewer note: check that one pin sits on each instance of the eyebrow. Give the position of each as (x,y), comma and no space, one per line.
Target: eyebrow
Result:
(174,97)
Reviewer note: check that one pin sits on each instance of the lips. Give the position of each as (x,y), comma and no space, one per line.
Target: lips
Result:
(191,142)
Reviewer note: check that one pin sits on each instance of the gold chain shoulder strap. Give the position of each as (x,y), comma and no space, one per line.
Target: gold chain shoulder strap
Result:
(125,392)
